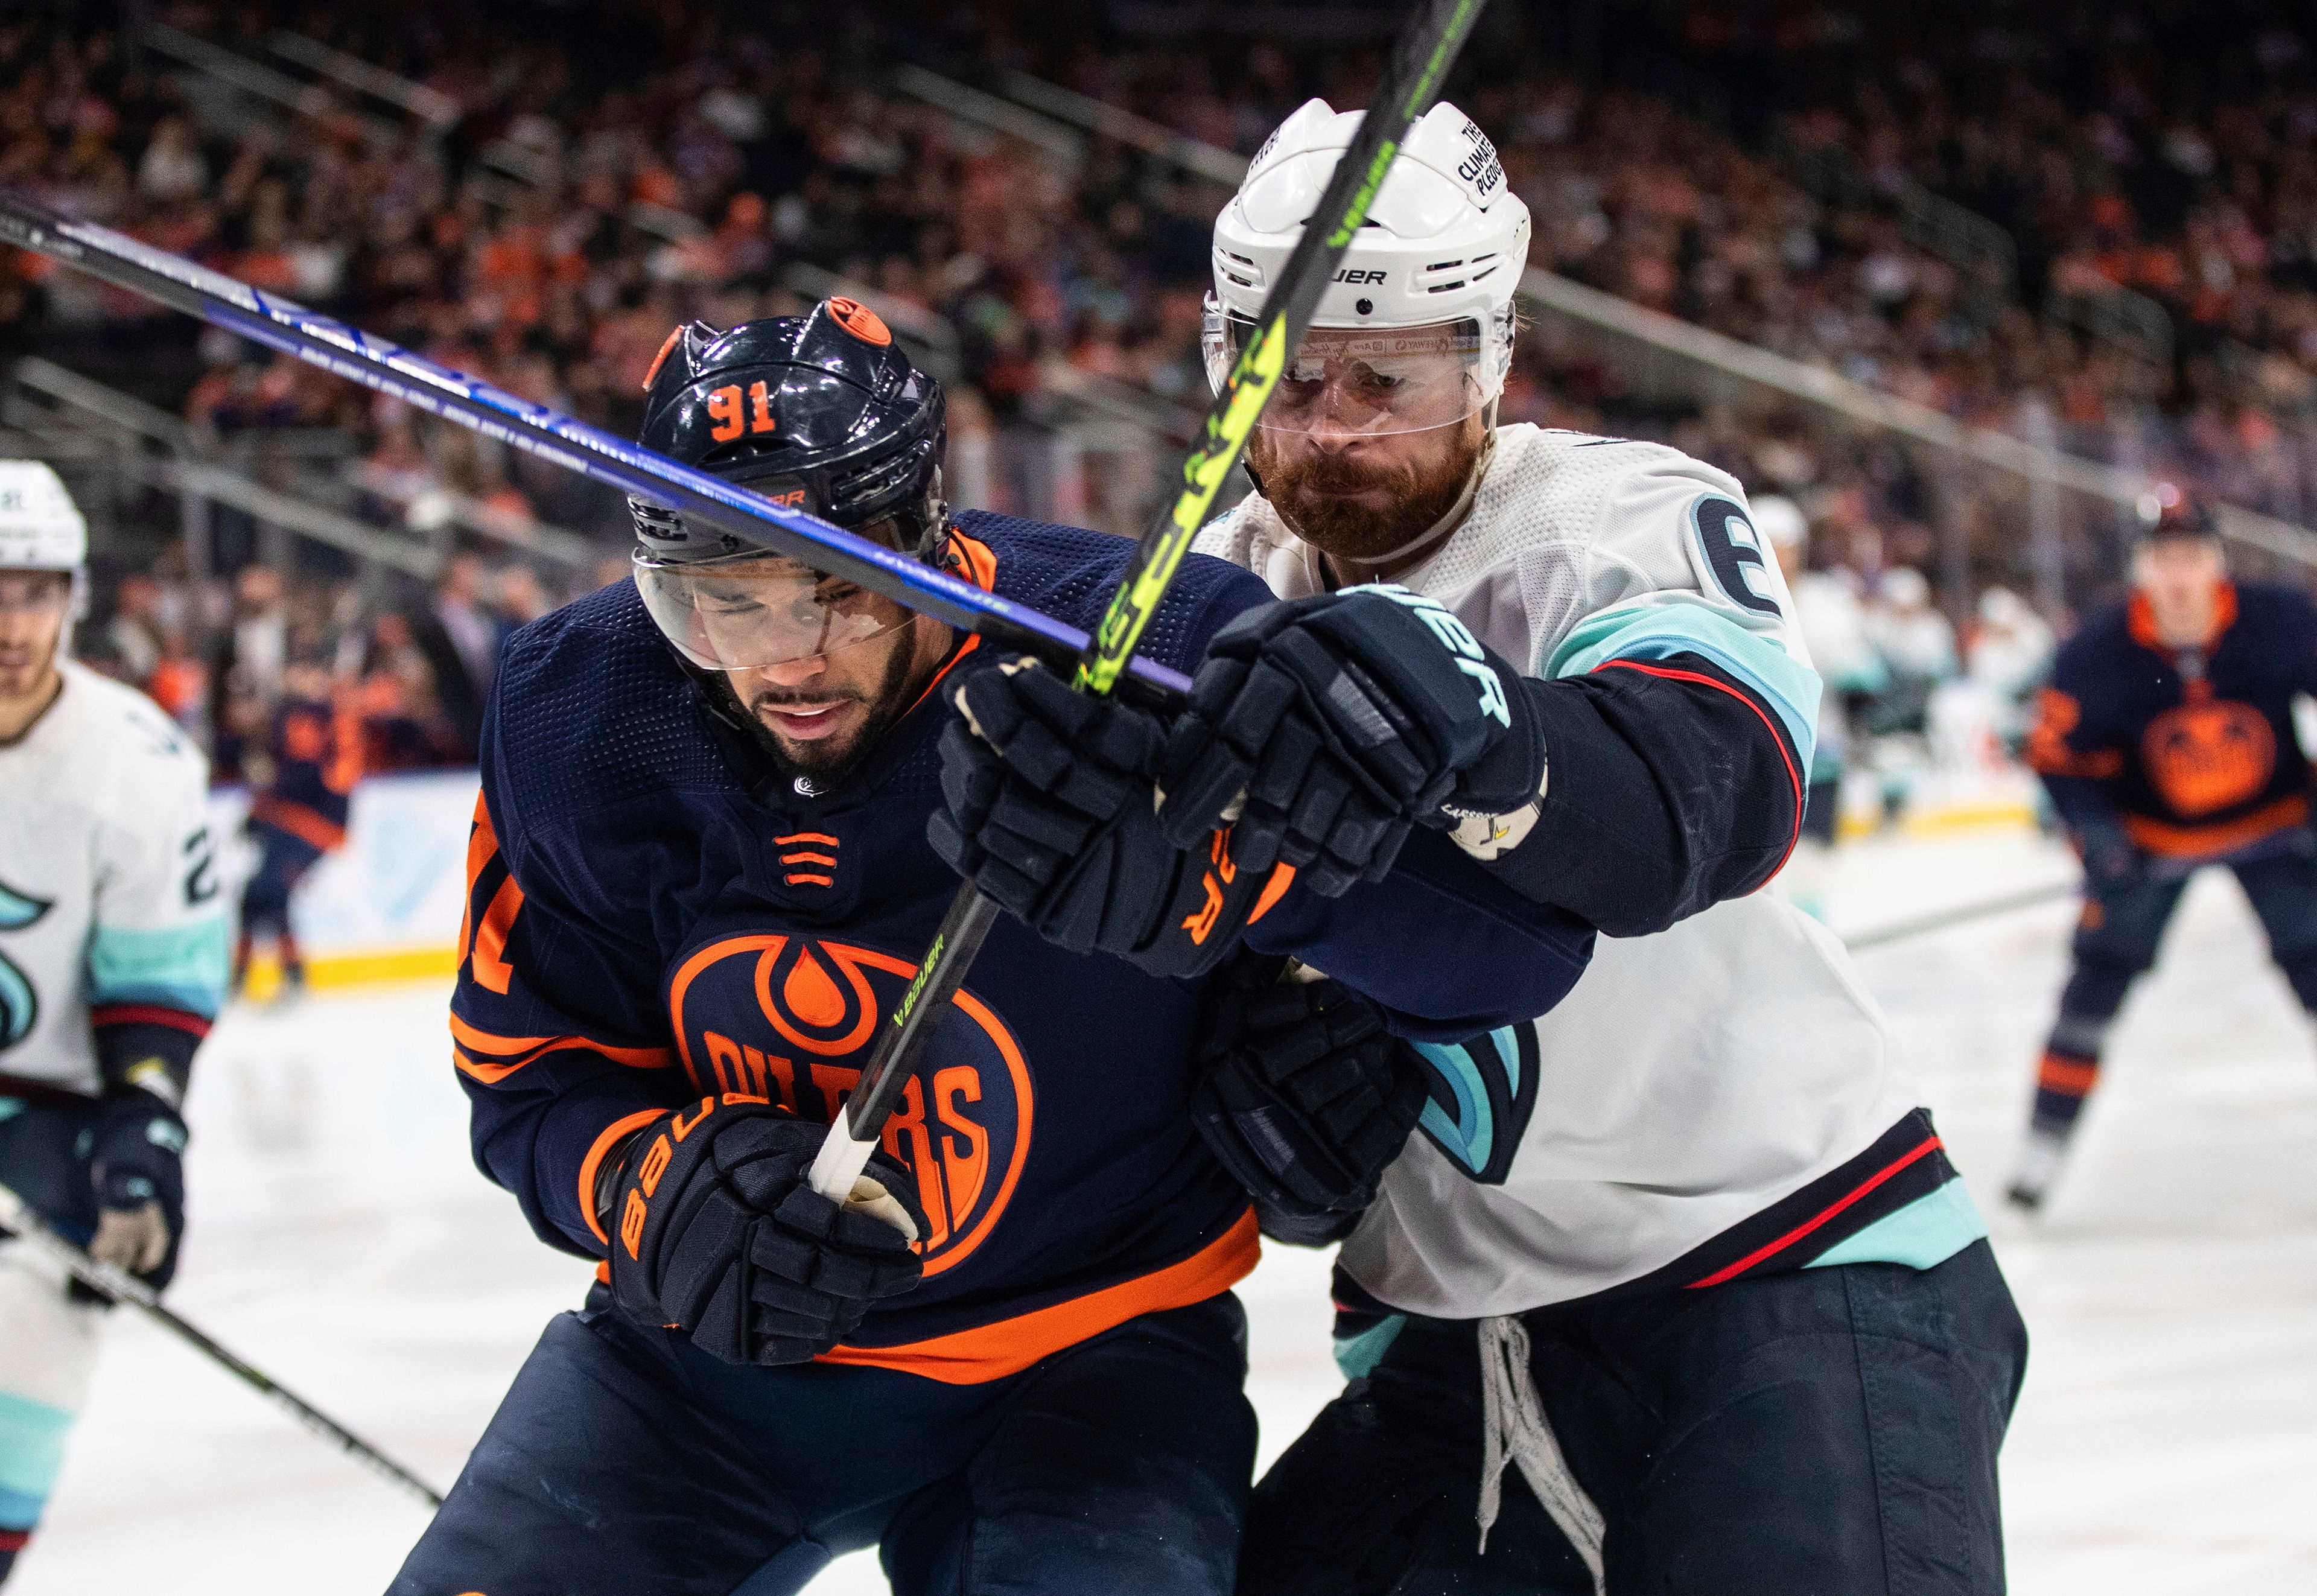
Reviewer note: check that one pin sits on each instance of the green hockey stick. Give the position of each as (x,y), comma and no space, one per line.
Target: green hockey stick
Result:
(1411,81)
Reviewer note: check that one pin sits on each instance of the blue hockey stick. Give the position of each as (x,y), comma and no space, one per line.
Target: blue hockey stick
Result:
(349,352)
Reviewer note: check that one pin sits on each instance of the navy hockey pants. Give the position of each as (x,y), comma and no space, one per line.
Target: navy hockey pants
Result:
(2116,943)
(1830,1432)
(282,860)
(626,1460)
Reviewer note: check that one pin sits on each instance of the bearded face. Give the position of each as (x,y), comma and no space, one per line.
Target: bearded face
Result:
(1360,497)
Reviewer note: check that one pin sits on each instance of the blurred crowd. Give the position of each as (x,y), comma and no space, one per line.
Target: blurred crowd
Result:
(588,186)
(412,672)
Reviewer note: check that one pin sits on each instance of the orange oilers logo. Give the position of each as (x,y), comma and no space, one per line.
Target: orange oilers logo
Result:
(861,321)
(2206,755)
(792,1018)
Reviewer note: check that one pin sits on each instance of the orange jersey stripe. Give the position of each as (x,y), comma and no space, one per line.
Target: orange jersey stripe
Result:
(992,1351)
(2181,842)
(2074,1077)
(530,1047)
(300,821)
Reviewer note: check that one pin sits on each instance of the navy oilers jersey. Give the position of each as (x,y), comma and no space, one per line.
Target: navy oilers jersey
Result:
(2192,751)
(655,915)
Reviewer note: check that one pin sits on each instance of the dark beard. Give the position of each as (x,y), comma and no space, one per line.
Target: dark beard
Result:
(814,775)
(1415,497)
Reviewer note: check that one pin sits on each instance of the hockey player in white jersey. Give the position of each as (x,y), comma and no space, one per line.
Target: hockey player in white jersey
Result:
(1686,1249)
(113,963)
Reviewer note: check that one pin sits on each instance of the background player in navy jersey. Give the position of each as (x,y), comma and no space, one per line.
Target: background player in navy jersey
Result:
(298,809)
(699,878)
(2167,742)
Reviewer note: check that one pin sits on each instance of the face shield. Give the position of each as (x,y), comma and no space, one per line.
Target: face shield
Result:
(751,610)
(1371,382)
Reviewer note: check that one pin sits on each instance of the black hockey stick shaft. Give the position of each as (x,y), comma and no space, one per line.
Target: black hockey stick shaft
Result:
(1412,78)
(16,1214)
(1963,915)
(347,352)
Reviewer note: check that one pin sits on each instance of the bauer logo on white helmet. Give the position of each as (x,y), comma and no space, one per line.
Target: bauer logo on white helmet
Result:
(1443,248)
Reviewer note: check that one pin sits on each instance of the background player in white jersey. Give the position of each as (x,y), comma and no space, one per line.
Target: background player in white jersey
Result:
(1833,625)
(112,966)
(1685,1249)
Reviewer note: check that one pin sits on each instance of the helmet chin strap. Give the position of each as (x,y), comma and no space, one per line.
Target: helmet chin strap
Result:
(1446,524)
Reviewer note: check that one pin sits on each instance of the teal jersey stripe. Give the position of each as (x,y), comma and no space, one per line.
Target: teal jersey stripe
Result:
(1357,1355)
(1926,1233)
(31,1452)
(1671,623)
(178,966)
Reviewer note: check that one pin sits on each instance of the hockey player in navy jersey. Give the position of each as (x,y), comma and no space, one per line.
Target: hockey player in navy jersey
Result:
(2167,742)
(700,879)
(298,811)
(1674,1289)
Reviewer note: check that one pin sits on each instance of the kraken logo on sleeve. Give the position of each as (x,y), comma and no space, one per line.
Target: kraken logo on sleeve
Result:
(20,1005)
(793,1020)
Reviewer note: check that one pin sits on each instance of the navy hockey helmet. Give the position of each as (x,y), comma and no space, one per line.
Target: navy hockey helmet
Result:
(822,412)
(2178,513)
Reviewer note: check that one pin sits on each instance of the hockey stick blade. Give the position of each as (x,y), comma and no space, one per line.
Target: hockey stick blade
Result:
(1412,78)
(347,352)
(18,1216)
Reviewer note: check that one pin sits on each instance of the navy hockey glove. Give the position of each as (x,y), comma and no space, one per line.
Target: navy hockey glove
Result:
(1344,716)
(716,1230)
(1053,812)
(137,1164)
(1304,1096)
(2111,858)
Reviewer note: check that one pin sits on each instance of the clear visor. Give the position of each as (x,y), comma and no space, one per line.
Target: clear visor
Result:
(1367,381)
(749,611)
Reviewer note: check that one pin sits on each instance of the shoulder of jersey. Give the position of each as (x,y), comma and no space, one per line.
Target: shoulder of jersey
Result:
(590,708)
(2273,605)
(2102,635)
(1069,573)
(120,732)
(1575,472)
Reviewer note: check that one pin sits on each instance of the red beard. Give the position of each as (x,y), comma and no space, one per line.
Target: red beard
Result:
(1415,497)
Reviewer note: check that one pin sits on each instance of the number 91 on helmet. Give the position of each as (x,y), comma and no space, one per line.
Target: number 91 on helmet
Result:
(821,412)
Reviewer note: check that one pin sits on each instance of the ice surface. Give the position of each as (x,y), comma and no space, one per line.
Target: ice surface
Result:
(2167,1441)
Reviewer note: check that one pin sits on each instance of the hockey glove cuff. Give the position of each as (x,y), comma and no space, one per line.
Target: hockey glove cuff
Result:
(719,1232)
(1051,802)
(1338,718)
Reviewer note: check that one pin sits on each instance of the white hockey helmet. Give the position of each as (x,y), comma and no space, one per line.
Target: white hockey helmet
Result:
(1427,282)
(40,527)
(1779,521)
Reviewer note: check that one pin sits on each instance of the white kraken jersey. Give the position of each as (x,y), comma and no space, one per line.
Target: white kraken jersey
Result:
(109,895)
(1692,1078)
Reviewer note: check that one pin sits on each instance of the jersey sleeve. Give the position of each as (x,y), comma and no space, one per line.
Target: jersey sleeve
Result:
(1445,949)
(2077,750)
(555,1023)
(155,960)
(1679,719)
